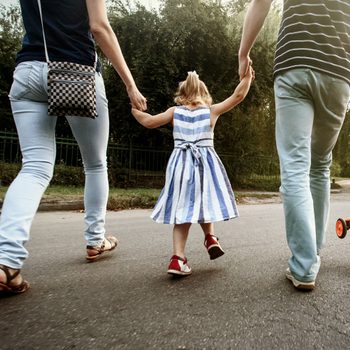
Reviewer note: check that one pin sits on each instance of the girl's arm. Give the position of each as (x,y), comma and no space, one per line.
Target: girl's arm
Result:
(153,121)
(238,96)
(108,42)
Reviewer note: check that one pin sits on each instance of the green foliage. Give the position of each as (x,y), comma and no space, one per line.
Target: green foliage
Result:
(258,183)
(336,169)
(160,47)
(8,172)
(11,32)
(63,175)
(342,148)
(132,198)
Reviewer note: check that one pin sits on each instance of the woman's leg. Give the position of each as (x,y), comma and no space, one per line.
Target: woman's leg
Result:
(36,132)
(180,234)
(92,137)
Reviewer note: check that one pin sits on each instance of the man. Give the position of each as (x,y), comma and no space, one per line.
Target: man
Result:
(312,87)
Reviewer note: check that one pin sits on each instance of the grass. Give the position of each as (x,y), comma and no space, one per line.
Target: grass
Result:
(119,198)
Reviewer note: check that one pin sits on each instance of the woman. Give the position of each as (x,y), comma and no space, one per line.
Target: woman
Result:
(69,26)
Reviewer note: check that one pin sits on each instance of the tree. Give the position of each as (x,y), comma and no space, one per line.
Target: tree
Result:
(11,32)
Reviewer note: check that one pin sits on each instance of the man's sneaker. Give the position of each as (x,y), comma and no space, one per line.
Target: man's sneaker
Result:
(213,246)
(178,266)
(306,286)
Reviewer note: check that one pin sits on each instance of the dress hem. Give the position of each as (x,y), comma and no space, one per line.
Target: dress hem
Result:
(194,222)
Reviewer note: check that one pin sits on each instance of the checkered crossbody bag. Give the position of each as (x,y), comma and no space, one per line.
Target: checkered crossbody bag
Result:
(71,86)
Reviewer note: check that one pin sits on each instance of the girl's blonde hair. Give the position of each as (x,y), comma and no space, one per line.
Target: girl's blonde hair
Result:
(192,91)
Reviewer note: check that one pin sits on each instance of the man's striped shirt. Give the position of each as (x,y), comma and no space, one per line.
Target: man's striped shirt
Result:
(315,34)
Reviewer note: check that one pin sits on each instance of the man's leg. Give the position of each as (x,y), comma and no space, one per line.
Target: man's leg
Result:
(331,97)
(294,122)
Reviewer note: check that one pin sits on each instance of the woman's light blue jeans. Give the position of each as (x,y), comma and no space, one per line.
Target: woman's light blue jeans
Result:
(36,132)
(310,110)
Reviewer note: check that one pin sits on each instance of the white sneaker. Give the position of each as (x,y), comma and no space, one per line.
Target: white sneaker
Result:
(299,284)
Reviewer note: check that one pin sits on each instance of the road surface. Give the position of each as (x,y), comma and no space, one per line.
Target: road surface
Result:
(127,300)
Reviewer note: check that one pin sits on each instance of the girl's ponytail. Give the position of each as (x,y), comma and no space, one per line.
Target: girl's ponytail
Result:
(192,91)
(193,83)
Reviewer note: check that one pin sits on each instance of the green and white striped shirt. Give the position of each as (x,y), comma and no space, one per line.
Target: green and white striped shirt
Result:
(315,34)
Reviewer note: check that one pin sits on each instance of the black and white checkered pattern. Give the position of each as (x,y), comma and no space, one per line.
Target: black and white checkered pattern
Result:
(71,89)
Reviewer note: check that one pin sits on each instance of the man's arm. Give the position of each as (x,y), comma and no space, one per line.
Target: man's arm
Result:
(253,22)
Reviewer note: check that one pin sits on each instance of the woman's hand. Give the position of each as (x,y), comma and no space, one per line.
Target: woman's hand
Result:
(137,100)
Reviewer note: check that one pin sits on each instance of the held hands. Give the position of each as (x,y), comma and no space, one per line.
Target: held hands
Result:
(135,112)
(137,100)
(250,74)
(244,64)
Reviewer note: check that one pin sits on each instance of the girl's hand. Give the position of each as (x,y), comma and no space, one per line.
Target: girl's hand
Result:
(135,111)
(137,100)
(250,74)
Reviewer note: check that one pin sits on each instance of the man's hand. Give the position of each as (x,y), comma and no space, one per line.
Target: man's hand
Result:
(244,65)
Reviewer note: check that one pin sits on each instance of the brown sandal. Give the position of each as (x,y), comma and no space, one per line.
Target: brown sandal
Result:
(7,288)
(94,252)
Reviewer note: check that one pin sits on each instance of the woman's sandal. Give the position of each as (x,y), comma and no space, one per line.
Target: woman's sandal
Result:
(94,252)
(8,288)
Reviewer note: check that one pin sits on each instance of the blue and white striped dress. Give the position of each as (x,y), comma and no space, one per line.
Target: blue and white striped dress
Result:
(197,189)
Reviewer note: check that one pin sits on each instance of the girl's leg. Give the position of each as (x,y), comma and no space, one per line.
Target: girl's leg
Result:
(180,234)
(178,262)
(92,138)
(208,229)
(211,242)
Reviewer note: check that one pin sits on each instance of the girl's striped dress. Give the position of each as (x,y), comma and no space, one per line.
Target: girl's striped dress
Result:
(197,189)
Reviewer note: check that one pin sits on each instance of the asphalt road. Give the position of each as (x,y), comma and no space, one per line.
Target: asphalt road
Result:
(127,300)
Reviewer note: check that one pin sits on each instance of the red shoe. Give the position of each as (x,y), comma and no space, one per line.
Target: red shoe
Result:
(178,266)
(213,246)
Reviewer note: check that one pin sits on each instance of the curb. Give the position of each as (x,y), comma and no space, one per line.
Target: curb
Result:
(58,205)
(55,205)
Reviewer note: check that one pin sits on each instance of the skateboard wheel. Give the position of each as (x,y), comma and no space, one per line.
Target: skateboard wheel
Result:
(340,228)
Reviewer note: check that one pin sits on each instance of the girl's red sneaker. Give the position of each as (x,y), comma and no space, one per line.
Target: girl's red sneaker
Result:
(178,266)
(213,246)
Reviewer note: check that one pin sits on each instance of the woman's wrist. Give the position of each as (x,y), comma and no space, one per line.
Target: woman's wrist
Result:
(130,86)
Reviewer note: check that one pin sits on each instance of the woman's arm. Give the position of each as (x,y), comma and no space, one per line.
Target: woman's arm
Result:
(108,42)
(238,96)
(153,121)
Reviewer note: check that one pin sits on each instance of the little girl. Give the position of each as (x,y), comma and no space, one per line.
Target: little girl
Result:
(197,189)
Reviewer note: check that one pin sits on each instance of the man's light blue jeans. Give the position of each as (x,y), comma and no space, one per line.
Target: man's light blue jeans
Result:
(36,132)
(310,110)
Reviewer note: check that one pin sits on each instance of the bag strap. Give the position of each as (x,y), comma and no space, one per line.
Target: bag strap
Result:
(44,38)
(42,29)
